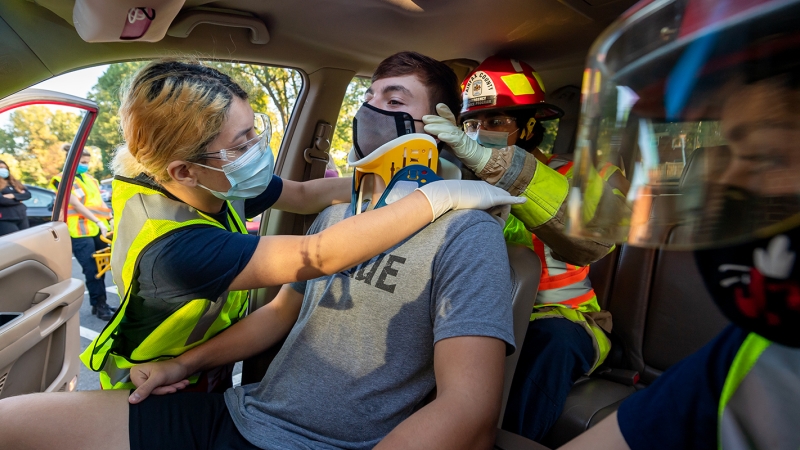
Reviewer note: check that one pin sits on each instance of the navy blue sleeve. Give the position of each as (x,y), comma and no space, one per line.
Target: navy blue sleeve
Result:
(195,263)
(256,206)
(679,410)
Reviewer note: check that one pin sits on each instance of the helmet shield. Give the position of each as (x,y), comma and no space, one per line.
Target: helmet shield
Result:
(701,99)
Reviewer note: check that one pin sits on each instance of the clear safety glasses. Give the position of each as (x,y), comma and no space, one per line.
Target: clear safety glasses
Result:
(497,123)
(263,131)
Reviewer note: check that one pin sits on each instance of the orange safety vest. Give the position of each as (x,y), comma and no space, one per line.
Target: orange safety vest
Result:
(86,189)
(562,283)
(565,290)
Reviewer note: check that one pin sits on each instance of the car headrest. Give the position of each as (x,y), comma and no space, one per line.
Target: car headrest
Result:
(697,167)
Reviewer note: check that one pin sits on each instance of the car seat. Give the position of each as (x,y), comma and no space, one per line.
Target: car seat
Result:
(661,311)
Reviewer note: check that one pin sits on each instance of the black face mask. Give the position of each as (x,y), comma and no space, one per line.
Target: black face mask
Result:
(757,285)
(731,212)
(373,127)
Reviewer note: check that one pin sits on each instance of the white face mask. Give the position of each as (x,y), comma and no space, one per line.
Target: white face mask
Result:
(249,175)
(491,139)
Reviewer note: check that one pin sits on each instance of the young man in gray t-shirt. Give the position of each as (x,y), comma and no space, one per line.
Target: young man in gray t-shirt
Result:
(364,352)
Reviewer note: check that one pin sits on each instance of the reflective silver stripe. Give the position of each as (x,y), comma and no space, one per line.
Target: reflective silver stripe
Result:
(554,266)
(115,374)
(238,207)
(764,412)
(213,310)
(103,213)
(565,293)
(513,171)
(138,210)
(557,163)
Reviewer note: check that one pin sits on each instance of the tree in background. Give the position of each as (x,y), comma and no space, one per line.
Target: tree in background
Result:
(272,90)
(33,140)
(106,134)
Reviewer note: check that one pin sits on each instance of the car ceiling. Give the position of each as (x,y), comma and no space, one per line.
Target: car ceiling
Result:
(554,36)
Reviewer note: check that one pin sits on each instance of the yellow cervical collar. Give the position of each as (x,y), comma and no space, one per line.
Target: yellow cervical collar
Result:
(386,160)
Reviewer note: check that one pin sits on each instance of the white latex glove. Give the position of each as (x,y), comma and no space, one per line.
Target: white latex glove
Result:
(465,194)
(103,228)
(443,126)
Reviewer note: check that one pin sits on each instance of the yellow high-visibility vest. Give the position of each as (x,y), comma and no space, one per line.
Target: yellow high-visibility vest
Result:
(564,289)
(86,189)
(146,214)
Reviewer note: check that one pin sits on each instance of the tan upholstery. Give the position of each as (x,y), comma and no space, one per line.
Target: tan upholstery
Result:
(526,269)
(506,440)
(525,272)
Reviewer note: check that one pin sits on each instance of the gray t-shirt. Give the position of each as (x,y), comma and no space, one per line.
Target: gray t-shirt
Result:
(359,360)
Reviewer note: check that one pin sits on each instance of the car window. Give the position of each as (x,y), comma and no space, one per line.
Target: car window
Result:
(343,135)
(271,90)
(676,141)
(33,137)
(39,198)
(550,132)
(32,142)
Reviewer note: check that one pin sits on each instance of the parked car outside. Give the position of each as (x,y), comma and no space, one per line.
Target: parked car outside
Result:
(40,205)
(105,190)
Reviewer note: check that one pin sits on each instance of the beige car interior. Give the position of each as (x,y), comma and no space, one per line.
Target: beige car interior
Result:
(330,42)
(39,348)
(39,299)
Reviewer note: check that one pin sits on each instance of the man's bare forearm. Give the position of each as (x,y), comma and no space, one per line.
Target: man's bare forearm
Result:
(445,423)
(469,383)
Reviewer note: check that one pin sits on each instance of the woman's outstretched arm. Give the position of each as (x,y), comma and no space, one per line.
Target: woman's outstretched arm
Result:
(284,259)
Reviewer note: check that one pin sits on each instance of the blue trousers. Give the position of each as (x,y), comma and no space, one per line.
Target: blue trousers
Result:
(83,248)
(556,352)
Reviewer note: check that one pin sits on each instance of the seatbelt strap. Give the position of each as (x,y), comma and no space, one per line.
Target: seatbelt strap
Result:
(316,158)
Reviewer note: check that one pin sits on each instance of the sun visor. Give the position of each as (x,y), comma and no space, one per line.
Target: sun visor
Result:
(124,20)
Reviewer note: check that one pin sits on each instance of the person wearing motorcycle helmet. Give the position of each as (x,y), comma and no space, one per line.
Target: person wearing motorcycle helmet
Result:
(718,78)
(503,107)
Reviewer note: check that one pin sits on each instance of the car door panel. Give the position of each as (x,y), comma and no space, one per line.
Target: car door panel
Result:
(38,350)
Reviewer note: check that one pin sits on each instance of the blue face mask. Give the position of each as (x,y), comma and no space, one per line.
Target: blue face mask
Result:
(83,168)
(491,139)
(4,173)
(249,174)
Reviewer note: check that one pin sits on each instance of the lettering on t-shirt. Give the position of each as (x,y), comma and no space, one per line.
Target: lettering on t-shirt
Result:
(384,266)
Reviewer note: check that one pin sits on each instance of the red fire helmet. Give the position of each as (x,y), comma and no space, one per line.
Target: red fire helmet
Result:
(505,84)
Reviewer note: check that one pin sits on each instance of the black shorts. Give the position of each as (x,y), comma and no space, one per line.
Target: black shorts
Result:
(184,420)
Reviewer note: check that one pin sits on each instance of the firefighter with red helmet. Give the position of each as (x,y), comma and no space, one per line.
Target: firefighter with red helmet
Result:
(503,107)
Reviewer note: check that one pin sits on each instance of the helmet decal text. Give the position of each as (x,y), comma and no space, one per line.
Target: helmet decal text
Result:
(479,90)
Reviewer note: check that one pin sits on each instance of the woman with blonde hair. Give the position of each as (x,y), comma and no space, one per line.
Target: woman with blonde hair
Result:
(196,162)
(13,213)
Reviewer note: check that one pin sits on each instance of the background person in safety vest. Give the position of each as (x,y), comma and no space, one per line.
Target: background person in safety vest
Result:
(88,218)
(503,107)
(727,79)
(182,259)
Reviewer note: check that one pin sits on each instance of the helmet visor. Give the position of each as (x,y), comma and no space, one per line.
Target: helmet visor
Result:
(701,100)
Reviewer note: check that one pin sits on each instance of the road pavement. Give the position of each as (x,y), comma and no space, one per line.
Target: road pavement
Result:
(91,326)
